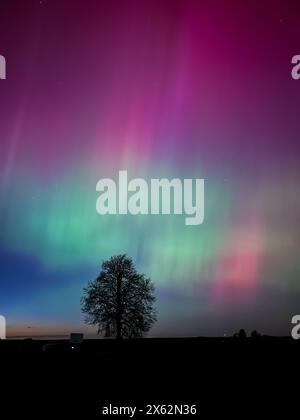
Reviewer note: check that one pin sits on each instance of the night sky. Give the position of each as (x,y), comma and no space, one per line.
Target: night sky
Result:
(160,88)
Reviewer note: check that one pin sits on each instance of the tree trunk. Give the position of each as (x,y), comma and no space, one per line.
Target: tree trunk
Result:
(119,309)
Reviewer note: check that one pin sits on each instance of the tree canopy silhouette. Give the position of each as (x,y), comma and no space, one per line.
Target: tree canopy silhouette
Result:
(120,300)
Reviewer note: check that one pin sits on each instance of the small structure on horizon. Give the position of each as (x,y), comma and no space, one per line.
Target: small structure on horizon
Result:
(76,338)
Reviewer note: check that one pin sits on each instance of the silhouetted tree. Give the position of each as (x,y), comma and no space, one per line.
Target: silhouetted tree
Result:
(242,334)
(255,335)
(120,301)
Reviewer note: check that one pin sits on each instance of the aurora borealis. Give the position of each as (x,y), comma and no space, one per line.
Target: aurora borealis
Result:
(188,89)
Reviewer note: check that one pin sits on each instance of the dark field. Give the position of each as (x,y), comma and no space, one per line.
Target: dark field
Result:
(109,347)
(214,373)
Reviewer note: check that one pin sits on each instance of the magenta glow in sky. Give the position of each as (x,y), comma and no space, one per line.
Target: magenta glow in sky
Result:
(175,89)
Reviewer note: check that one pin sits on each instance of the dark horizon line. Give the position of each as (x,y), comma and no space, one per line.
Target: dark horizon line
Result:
(67,336)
